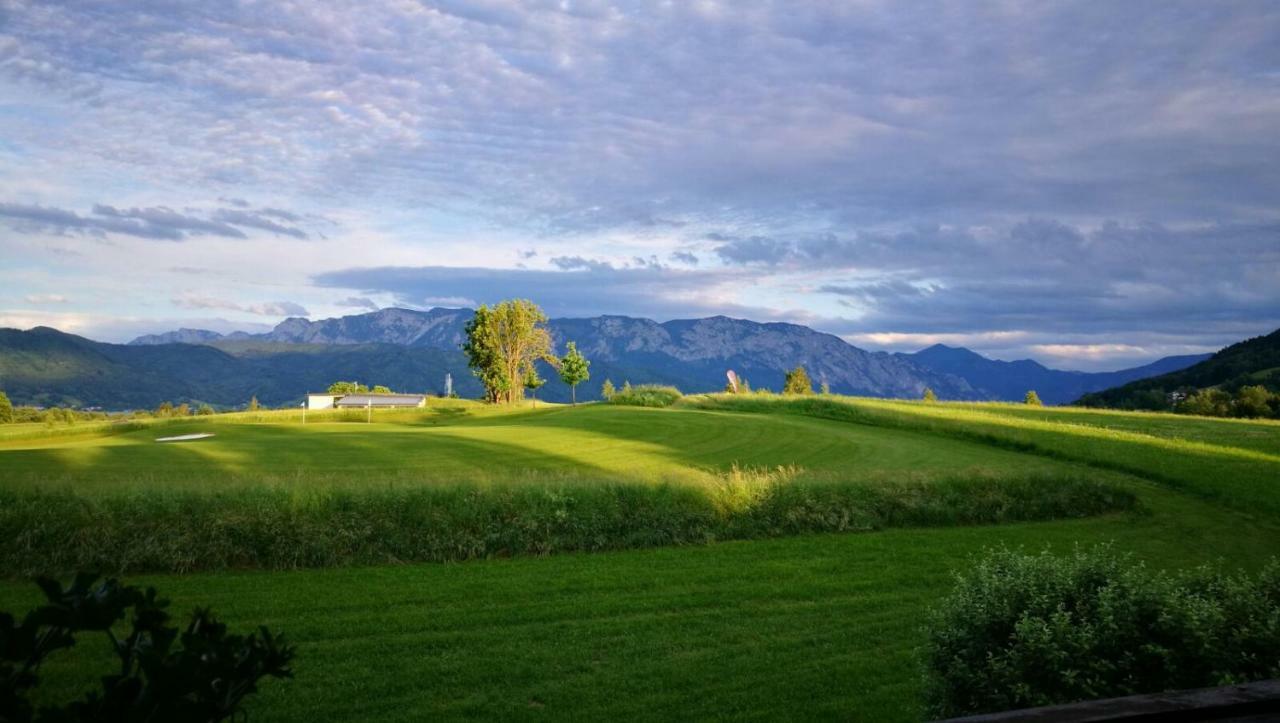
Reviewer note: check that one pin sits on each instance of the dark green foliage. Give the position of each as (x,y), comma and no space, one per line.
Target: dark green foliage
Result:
(6,409)
(347,388)
(1032,399)
(797,382)
(381,389)
(646,395)
(204,410)
(1249,363)
(1021,631)
(198,674)
(271,528)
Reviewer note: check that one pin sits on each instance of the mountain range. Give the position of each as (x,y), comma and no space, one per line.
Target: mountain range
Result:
(412,350)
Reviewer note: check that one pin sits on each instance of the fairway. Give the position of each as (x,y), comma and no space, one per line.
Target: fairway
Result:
(595,442)
(808,626)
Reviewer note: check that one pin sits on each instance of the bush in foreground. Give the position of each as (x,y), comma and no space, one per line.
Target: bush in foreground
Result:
(200,674)
(646,395)
(273,528)
(1022,630)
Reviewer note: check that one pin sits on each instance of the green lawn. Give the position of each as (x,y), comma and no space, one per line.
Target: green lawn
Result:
(595,442)
(817,626)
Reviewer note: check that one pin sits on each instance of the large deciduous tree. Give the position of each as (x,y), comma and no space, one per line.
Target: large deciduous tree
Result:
(503,342)
(574,369)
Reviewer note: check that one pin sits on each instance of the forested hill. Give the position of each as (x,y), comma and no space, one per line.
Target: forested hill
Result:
(1010,380)
(1251,362)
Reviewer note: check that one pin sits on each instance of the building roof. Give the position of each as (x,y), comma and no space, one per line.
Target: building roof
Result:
(380,400)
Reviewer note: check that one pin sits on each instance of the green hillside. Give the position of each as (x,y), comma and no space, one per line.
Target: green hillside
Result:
(1250,362)
(50,368)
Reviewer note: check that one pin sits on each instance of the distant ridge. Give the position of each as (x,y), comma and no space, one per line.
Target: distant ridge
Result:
(1010,381)
(694,353)
(1252,361)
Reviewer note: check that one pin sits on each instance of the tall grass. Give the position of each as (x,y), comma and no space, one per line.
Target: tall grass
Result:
(646,395)
(275,528)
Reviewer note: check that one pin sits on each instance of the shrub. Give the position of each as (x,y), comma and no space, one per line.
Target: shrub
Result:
(797,382)
(204,677)
(929,395)
(1024,630)
(646,395)
(1032,399)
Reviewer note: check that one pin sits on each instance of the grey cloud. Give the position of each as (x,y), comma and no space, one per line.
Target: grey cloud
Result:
(156,222)
(358,302)
(41,218)
(166,218)
(684,257)
(258,220)
(266,308)
(570,263)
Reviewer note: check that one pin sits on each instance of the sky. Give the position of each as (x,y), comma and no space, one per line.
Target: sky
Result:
(1090,184)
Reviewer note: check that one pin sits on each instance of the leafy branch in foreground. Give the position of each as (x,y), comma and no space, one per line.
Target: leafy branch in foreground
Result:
(204,677)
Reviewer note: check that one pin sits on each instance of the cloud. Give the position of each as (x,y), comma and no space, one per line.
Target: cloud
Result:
(684,257)
(267,308)
(157,222)
(45,299)
(258,220)
(588,290)
(358,302)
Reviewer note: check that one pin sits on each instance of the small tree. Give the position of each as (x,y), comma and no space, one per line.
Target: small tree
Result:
(607,390)
(533,382)
(929,396)
(182,410)
(204,410)
(253,404)
(380,389)
(6,409)
(1033,399)
(797,382)
(347,388)
(574,370)
(165,409)
(826,388)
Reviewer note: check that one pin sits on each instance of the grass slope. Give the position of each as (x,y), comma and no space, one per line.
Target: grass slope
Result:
(460,444)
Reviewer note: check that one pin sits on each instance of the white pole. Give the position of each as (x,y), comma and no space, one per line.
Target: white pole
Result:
(369,405)
(304,412)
